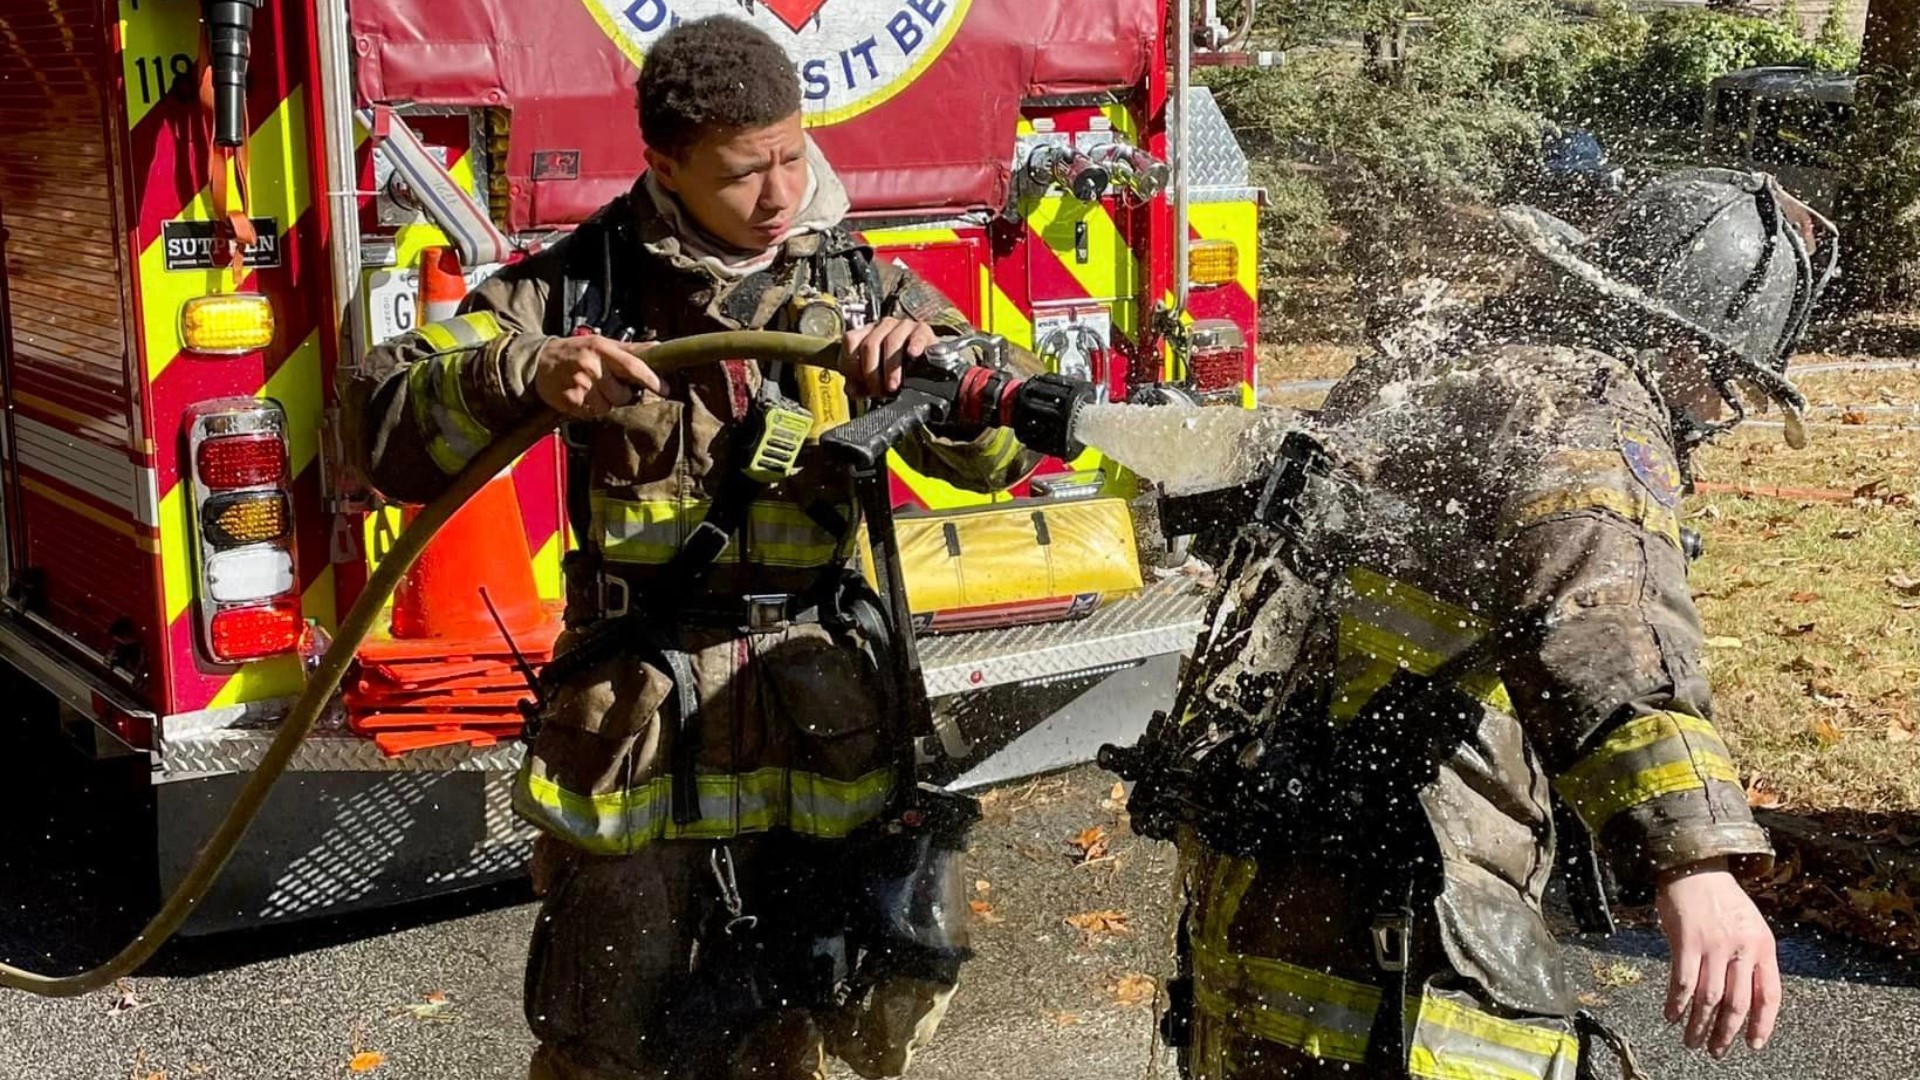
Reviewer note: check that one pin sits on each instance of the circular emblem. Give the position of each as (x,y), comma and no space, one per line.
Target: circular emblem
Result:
(851,54)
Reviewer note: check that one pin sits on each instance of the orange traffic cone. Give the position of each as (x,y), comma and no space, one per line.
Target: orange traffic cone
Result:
(442,285)
(484,546)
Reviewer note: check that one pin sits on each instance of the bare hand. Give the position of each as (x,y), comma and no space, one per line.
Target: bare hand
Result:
(874,354)
(1726,978)
(585,378)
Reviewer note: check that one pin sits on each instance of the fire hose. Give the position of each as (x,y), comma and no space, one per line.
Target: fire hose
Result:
(1039,409)
(332,668)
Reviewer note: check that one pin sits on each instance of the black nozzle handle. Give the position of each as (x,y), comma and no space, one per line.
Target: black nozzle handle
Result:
(863,441)
(229,47)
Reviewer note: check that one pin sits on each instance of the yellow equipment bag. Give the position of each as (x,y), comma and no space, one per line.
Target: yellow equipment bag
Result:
(1016,563)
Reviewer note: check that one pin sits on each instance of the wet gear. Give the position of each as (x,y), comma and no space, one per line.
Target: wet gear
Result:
(1727,258)
(1382,721)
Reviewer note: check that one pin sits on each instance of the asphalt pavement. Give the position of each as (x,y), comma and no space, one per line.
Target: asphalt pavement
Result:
(433,991)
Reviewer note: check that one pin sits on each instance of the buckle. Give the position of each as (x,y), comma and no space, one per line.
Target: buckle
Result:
(609,585)
(766,611)
(1393,939)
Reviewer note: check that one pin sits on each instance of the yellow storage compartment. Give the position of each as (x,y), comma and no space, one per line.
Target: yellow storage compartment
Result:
(1023,562)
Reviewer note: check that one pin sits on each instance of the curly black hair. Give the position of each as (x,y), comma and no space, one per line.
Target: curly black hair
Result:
(712,73)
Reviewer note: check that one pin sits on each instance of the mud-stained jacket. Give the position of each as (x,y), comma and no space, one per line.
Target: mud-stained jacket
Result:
(1541,497)
(788,729)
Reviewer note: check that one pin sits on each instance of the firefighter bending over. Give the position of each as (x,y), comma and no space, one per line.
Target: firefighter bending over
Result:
(706,749)
(1362,765)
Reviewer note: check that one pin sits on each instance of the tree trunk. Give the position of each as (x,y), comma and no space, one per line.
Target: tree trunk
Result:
(1880,208)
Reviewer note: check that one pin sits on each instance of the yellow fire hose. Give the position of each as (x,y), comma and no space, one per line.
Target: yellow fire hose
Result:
(497,455)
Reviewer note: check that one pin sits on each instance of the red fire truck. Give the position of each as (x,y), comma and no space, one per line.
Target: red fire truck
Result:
(180,530)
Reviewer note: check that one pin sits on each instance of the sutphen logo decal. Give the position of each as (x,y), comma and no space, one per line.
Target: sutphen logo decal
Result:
(851,54)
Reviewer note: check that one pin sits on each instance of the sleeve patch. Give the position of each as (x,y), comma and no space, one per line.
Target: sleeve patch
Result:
(1652,464)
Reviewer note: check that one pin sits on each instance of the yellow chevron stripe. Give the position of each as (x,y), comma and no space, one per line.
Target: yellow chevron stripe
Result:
(296,386)
(156,32)
(1238,223)
(1111,272)
(1008,319)
(410,240)
(546,570)
(176,552)
(908,235)
(280,191)
(262,680)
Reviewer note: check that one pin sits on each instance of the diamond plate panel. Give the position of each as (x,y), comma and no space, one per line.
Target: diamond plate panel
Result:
(234,750)
(1164,618)
(1215,159)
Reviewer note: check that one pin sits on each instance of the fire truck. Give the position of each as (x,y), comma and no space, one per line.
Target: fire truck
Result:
(207,206)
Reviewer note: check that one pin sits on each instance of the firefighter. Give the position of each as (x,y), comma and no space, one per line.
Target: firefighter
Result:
(1518,634)
(718,727)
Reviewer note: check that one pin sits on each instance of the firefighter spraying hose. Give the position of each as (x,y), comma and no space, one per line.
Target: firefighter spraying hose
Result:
(931,396)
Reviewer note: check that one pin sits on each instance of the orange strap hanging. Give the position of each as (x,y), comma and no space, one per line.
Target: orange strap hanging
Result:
(233,229)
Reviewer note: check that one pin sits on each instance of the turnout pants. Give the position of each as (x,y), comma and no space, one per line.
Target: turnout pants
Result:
(1286,987)
(628,977)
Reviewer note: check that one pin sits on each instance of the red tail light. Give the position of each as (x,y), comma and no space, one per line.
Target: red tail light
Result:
(246,574)
(1218,361)
(241,461)
(248,633)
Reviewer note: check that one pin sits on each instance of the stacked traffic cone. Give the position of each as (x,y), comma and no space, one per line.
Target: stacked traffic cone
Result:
(451,671)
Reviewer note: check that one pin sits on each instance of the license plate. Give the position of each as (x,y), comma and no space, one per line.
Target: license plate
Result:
(393,298)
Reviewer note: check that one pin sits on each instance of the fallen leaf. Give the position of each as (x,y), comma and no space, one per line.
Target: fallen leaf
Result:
(1827,693)
(1116,799)
(367,1061)
(1100,923)
(1091,843)
(982,885)
(125,1000)
(1804,597)
(1591,1000)
(984,912)
(1617,973)
(1826,731)
(1133,990)
(1725,643)
(1853,417)
(1810,665)
(1761,796)
(1802,630)
(1906,585)
(1845,534)
(1065,1019)
(1899,731)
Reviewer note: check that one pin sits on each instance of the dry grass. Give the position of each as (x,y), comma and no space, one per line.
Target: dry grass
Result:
(1817,646)
(1815,654)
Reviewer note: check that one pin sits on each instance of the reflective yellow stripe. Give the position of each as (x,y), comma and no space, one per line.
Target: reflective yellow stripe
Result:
(1638,507)
(1389,626)
(435,388)
(620,822)
(1330,1017)
(1644,759)
(650,531)
(1000,450)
